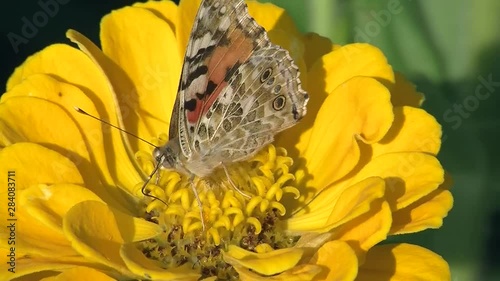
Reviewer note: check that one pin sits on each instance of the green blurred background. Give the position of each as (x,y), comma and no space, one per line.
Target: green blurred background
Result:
(449,49)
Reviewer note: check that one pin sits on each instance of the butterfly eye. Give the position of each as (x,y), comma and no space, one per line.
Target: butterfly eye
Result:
(266,74)
(279,103)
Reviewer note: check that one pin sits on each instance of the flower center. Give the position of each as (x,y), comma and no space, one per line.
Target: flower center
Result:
(240,206)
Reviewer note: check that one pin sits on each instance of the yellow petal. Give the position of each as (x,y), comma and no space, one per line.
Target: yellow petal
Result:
(67,96)
(266,263)
(403,262)
(272,17)
(335,206)
(359,109)
(94,233)
(74,67)
(35,238)
(33,164)
(48,204)
(365,231)
(165,10)
(313,240)
(79,274)
(186,13)
(145,49)
(121,227)
(152,270)
(298,273)
(27,119)
(353,60)
(34,268)
(428,212)
(356,200)
(404,93)
(29,164)
(45,206)
(97,232)
(339,260)
(409,176)
(413,130)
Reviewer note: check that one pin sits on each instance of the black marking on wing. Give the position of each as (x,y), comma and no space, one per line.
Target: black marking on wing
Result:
(190,105)
(296,114)
(199,71)
(230,71)
(201,53)
(211,86)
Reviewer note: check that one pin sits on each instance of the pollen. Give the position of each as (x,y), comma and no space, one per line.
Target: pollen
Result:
(241,206)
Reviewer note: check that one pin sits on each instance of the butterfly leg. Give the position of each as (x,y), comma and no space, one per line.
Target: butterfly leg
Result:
(157,179)
(143,189)
(200,206)
(234,185)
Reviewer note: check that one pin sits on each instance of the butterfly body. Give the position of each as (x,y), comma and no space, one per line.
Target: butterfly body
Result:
(237,90)
(170,157)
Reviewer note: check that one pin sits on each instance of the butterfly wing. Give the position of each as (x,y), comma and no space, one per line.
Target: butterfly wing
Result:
(237,89)
(222,39)
(256,99)
(261,98)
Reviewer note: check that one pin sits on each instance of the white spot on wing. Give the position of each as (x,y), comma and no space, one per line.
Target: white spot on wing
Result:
(206,40)
(225,23)
(197,86)
(247,103)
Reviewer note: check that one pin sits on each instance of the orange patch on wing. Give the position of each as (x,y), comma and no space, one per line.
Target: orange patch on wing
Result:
(224,59)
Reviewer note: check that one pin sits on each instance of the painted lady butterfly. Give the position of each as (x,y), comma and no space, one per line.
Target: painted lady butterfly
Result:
(237,90)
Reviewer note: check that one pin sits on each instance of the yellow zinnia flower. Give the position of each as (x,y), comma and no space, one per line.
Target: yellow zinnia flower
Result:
(360,166)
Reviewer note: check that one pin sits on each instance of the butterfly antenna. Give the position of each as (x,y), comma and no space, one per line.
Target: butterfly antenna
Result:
(143,189)
(81,111)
